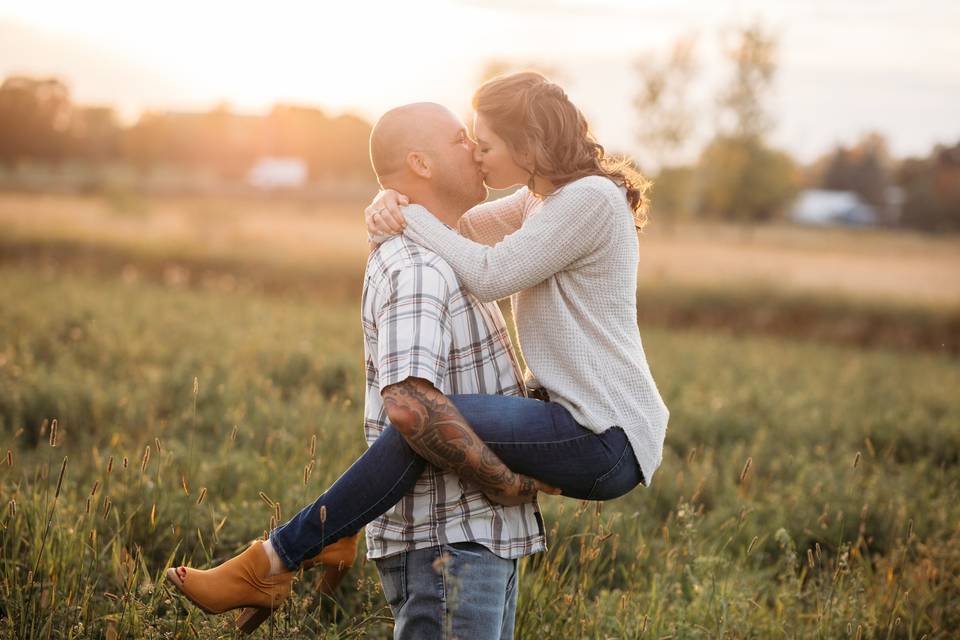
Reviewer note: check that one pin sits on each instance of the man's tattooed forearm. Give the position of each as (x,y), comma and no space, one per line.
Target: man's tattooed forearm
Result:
(527,487)
(435,430)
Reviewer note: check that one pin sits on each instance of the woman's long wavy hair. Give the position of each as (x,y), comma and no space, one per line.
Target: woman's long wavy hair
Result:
(536,118)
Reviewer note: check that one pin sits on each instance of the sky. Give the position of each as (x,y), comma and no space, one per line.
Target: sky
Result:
(845,67)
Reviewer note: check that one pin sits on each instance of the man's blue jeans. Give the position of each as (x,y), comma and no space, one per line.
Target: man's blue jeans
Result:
(459,590)
(537,439)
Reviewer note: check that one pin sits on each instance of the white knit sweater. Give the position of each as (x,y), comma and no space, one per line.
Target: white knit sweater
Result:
(571,259)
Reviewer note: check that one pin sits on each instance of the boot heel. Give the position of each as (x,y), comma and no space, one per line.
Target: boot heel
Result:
(251,618)
(331,579)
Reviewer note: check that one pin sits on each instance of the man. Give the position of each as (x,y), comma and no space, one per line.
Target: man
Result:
(446,554)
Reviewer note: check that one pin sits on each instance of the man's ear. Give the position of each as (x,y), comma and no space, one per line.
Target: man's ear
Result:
(419,163)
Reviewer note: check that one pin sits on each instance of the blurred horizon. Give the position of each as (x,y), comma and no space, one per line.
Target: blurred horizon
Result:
(842,71)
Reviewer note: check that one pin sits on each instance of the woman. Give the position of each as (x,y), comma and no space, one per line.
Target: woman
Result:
(566,246)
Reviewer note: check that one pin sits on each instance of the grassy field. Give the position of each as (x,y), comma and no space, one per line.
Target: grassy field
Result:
(867,288)
(806,490)
(189,350)
(318,236)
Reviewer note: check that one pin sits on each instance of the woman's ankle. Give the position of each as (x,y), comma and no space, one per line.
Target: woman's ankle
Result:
(276,563)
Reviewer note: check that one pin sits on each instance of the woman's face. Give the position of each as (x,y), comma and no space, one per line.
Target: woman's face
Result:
(497,165)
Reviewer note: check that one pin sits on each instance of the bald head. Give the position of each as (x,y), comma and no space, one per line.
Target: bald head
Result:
(423,151)
(412,127)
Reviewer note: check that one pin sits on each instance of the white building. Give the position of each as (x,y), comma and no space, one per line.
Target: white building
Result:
(823,207)
(278,173)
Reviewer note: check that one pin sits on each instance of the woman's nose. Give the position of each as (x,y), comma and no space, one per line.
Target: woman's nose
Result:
(477,156)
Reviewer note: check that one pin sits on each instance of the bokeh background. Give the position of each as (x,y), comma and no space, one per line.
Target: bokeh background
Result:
(181,258)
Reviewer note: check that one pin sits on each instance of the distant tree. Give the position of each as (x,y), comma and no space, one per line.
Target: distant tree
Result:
(665,123)
(95,134)
(34,119)
(741,102)
(865,168)
(332,147)
(675,193)
(665,118)
(149,141)
(741,177)
(932,190)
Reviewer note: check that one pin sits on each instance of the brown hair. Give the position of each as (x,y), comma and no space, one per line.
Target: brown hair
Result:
(535,116)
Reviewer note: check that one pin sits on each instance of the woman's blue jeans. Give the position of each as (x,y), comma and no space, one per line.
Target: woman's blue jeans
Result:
(537,439)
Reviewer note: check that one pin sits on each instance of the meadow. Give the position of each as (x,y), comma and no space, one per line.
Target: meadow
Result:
(206,379)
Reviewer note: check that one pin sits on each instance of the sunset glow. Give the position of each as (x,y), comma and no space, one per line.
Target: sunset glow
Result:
(844,67)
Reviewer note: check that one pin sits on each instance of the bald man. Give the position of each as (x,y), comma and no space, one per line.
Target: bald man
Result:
(446,554)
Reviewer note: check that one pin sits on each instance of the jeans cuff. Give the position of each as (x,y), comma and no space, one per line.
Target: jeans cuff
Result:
(284,556)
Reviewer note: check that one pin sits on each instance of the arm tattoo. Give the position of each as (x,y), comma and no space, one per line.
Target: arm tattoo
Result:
(436,431)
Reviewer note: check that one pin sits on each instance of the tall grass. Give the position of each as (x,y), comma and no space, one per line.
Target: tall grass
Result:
(806,491)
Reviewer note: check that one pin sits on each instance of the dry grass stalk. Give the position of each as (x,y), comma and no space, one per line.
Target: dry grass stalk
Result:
(63,470)
(145,460)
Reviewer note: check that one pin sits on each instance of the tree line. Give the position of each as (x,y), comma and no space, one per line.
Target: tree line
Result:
(737,175)
(740,176)
(39,123)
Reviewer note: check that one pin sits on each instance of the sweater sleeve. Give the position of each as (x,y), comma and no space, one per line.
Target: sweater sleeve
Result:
(489,222)
(570,225)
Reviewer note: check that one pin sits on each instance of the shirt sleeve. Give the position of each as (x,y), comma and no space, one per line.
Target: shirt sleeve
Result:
(489,222)
(569,226)
(414,331)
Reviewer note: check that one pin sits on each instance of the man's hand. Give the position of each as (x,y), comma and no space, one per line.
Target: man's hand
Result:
(434,428)
(525,490)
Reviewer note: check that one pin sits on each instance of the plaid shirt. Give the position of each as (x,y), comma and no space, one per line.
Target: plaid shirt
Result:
(418,322)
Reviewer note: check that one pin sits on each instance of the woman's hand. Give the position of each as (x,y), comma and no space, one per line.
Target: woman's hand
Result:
(383,216)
